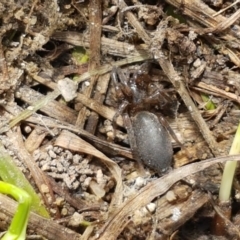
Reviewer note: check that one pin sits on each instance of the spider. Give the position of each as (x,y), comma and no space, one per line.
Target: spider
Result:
(147,129)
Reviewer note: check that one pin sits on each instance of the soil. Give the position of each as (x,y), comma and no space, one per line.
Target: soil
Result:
(64,124)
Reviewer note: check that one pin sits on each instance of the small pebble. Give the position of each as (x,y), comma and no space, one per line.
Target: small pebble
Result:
(75,220)
(49,147)
(36,155)
(60,167)
(46,167)
(44,188)
(75,185)
(52,154)
(59,201)
(176,214)
(27,129)
(77,158)
(197,63)
(140,182)
(68,155)
(170,196)
(151,207)
(64,212)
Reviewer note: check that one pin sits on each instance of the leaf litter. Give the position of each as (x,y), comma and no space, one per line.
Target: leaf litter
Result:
(91,185)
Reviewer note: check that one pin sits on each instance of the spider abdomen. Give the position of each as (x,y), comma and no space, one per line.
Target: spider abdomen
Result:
(153,141)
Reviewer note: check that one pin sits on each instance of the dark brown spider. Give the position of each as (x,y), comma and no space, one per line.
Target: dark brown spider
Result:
(140,105)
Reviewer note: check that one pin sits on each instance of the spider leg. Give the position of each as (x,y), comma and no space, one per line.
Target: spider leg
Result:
(122,88)
(123,92)
(117,86)
(162,96)
(118,113)
(173,135)
(169,129)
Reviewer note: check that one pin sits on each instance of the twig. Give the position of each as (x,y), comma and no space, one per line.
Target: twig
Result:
(95,20)
(203,14)
(19,149)
(51,123)
(217,91)
(28,112)
(226,8)
(117,222)
(109,46)
(134,22)
(181,89)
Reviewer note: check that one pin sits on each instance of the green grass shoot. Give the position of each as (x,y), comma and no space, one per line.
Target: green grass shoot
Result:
(209,103)
(10,173)
(18,226)
(229,170)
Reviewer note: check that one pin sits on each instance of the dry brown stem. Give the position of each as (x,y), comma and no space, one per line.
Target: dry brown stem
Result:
(204,15)
(108,46)
(116,223)
(95,18)
(20,151)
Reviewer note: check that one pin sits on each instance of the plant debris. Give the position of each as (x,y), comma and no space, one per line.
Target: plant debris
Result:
(58,104)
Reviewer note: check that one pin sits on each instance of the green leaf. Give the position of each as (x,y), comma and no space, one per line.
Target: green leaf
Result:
(209,103)
(229,170)
(10,173)
(18,226)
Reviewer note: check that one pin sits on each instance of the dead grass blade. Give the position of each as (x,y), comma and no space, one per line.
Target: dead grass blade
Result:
(227,23)
(25,157)
(95,17)
(94,105)
(28,112)
(180,87)
(203,14)
(108,46)
(72,142)
(12,174)
(108,67)
(122,216)
(218,92)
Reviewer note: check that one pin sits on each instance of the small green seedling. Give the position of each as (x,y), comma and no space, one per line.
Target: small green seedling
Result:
(18,226)
(220,224)
(80,55)
(10,173)
(209,103)
(229,170)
